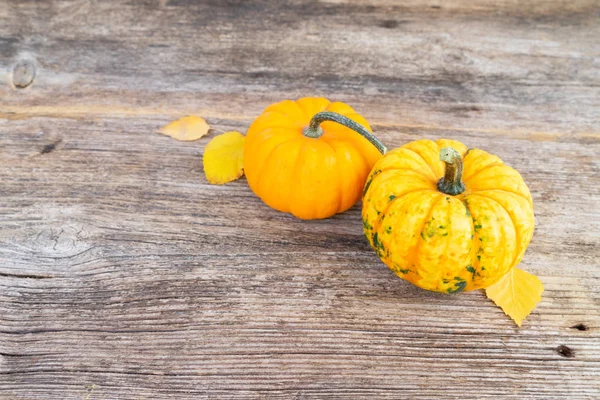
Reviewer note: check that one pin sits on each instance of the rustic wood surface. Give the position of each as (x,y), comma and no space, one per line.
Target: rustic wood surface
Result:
(124,275)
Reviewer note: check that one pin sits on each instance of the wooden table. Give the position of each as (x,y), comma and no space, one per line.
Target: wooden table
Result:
(124,275)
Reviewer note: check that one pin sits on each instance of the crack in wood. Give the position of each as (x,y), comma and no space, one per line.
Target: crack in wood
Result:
(50,147)
(25,276)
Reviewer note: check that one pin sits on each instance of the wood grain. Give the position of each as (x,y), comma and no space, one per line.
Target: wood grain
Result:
(124,275)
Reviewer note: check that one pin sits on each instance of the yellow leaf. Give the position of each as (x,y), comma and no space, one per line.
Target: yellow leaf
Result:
(516,293)
(224,158)
(186,128)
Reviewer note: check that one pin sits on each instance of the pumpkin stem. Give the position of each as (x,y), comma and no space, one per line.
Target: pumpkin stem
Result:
(314,130)
(451,183)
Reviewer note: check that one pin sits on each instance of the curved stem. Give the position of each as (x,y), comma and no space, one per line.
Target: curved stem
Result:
(314,130)
(452,182)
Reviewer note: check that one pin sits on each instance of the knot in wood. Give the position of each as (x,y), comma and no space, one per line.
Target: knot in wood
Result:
(23,74)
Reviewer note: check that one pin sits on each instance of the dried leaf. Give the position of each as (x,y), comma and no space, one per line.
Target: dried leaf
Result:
(516,293)
(186,128)
(224,158)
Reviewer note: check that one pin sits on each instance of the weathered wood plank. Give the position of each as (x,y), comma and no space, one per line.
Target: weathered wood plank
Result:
(507,67)
(124,275)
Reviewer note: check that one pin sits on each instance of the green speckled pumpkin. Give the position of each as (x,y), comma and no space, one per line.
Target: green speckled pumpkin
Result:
(446,218)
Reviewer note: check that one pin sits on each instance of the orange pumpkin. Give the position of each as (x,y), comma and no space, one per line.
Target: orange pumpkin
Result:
(446,218)
(298,160)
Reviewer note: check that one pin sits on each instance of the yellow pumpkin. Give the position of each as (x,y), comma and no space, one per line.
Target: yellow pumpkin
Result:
(309,157)
(446,218)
